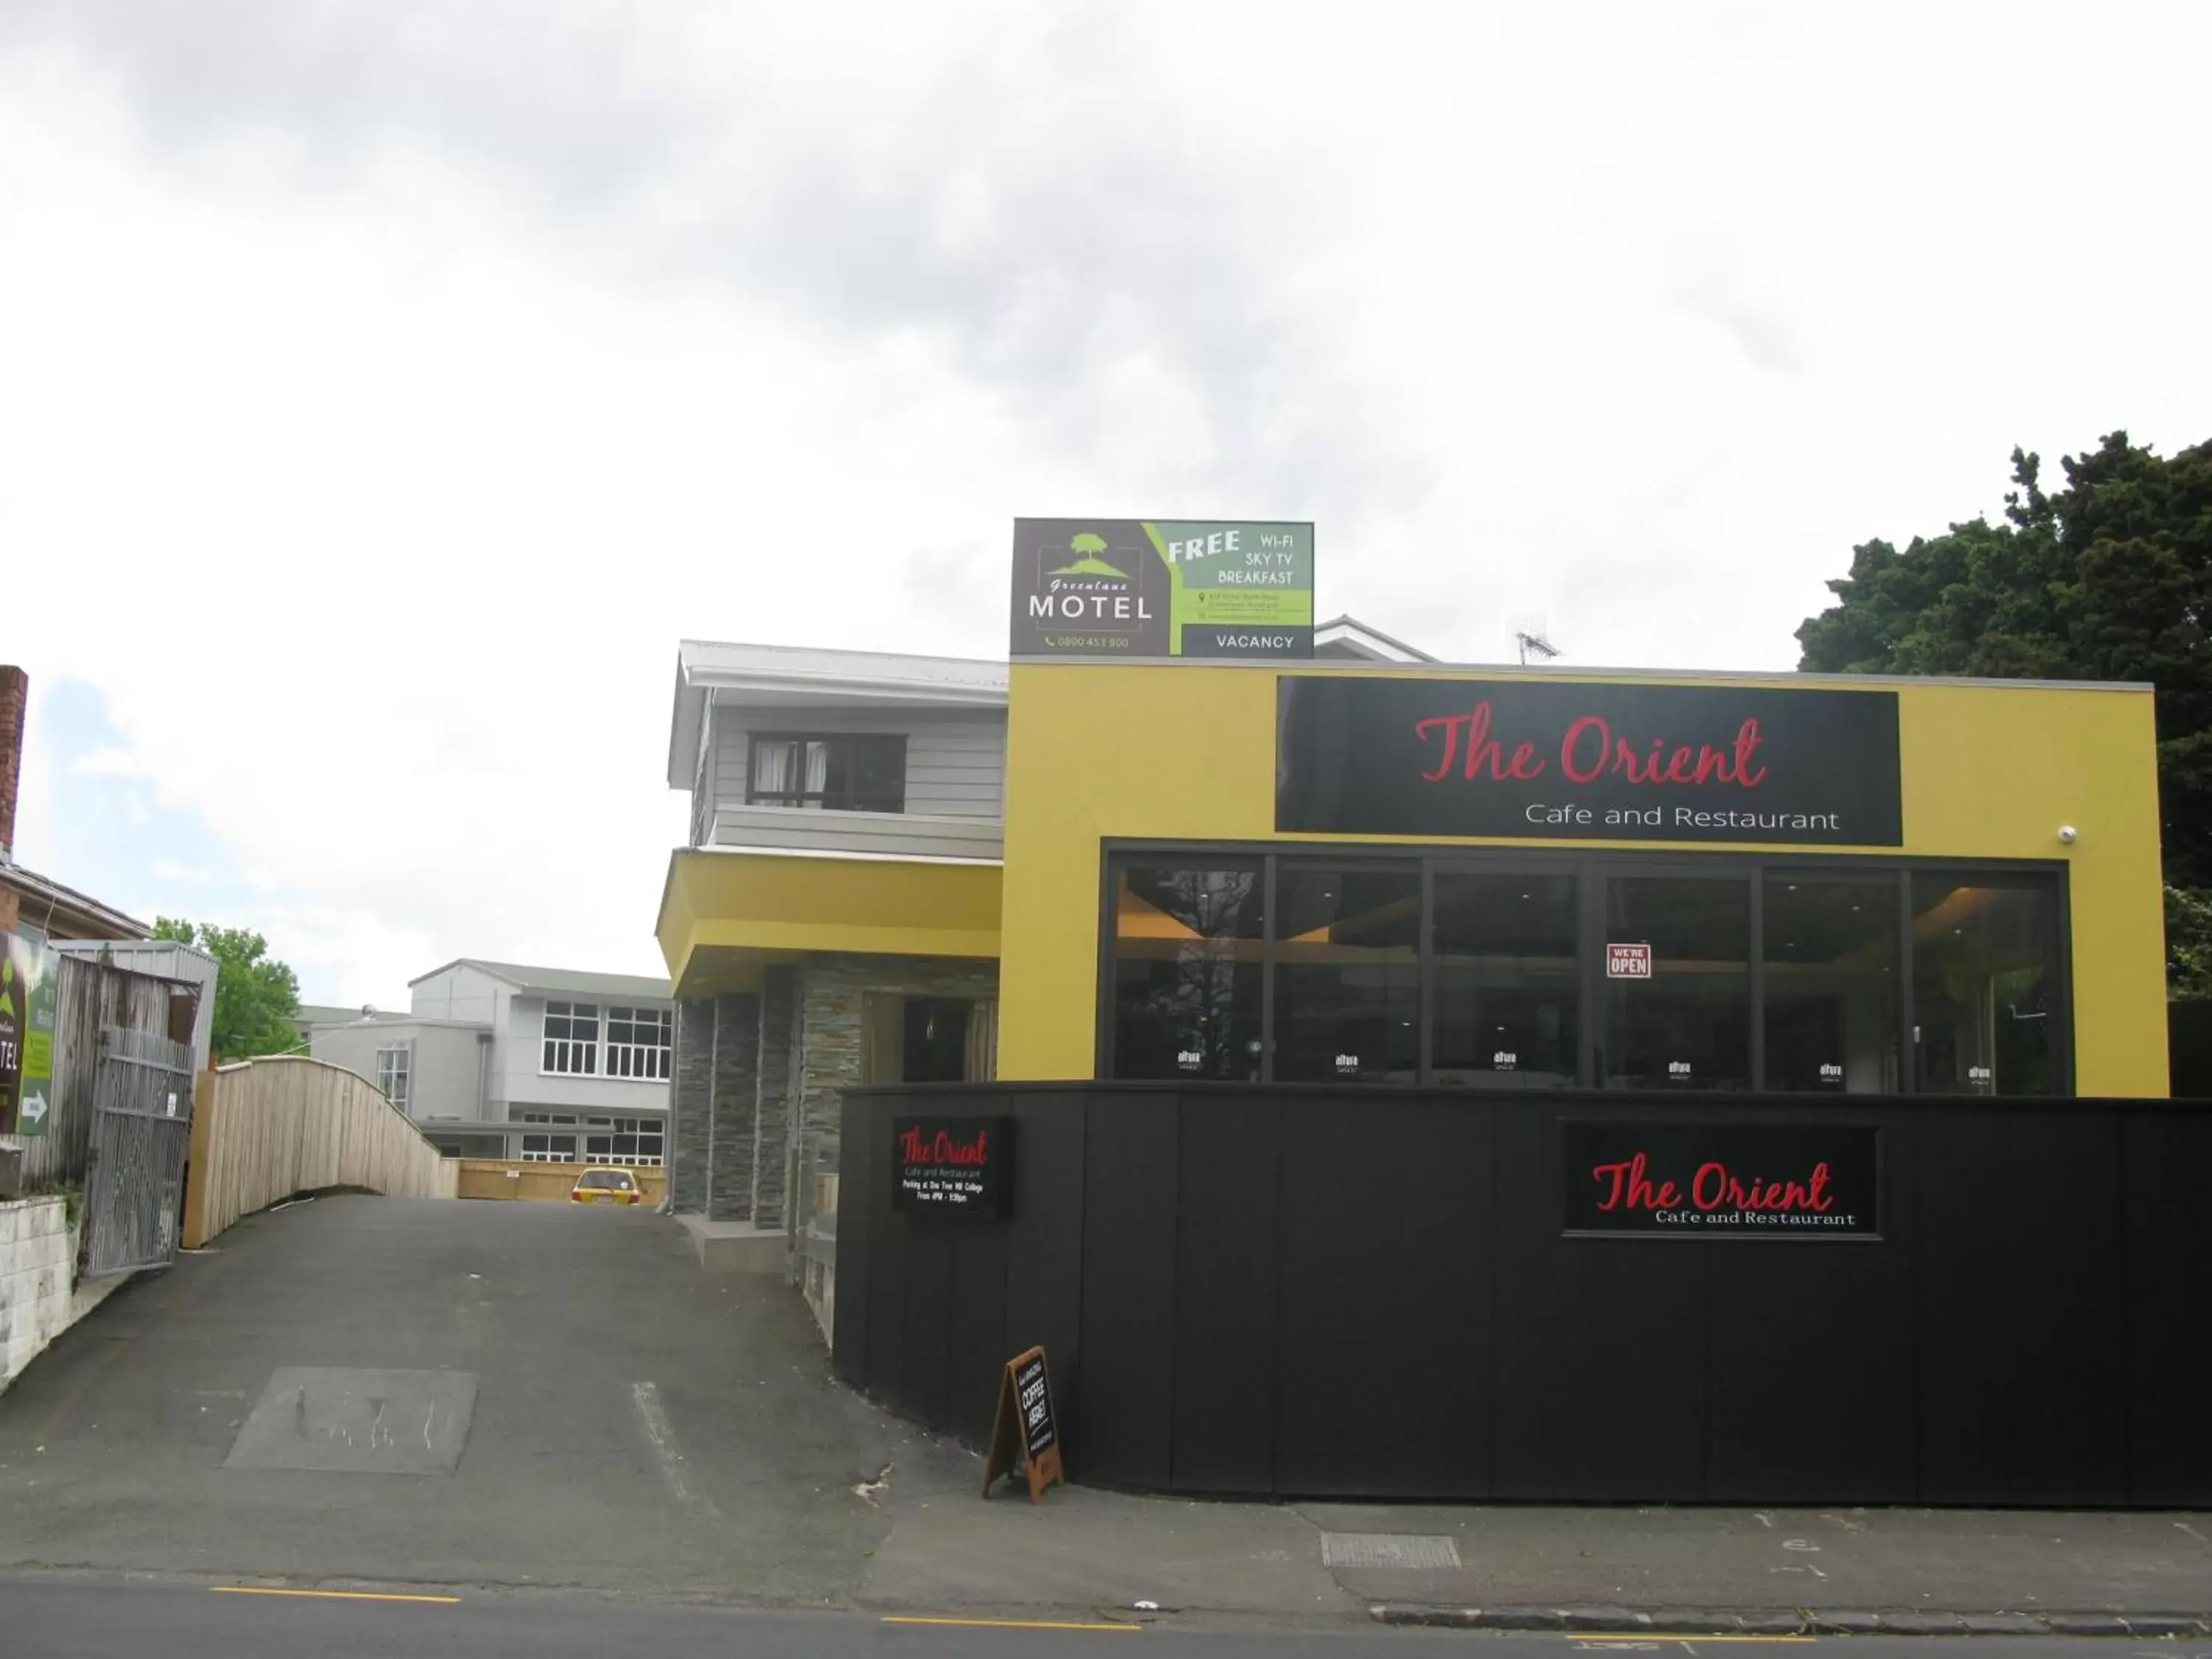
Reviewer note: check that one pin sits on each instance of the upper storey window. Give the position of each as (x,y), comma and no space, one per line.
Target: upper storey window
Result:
(837,773)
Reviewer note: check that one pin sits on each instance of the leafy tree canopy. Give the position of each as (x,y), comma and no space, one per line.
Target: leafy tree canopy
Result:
(2109,578)
(256,996)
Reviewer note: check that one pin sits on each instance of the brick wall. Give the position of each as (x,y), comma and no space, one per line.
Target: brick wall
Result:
(36,1262)
(15,696)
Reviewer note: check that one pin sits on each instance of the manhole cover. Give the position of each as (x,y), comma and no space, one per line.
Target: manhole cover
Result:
(1406,1550)
(358,1422)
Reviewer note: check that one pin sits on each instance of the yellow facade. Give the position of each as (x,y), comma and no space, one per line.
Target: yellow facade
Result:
(724,915)
(1188,752)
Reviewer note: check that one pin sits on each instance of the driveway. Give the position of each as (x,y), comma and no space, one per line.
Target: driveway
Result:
(610,1416)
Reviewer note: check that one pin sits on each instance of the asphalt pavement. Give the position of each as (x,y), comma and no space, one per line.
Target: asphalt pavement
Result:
(486,1399)
(101,1619)
(633,1424)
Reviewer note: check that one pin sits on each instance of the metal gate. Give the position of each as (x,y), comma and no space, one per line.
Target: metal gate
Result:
(142,1128)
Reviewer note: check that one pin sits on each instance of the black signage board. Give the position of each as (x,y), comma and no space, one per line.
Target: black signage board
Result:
(1682,1179)
(1024,1429)
(1535,759)
(1033,1394)
(953,1166)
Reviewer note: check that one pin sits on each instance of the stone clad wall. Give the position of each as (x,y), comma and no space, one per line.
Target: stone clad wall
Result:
(691,1103)
(832,1006)
(779,1013)
(835,988)
(732,1147)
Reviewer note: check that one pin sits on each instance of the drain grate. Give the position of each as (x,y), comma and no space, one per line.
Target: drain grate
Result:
(1408,1552)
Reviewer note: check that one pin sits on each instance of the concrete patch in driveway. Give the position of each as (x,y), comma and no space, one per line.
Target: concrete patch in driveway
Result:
(346,1421)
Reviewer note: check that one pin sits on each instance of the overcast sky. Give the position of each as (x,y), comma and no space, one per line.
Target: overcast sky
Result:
(385,388)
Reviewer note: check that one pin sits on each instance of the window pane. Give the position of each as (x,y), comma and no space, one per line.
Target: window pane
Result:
(1186,971)
(935,1048)
(1508,987)
(1687,1024)
(1832,995)
(1348,974)
(773,762)
(1984,984)
(879,775)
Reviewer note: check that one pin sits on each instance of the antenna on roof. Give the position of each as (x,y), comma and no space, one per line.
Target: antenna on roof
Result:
(1531,638)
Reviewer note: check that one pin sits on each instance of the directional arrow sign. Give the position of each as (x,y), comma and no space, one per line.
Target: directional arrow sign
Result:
(34,1108)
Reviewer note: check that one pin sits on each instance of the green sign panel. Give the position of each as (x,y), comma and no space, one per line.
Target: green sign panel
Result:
(1162,587)
(29,969)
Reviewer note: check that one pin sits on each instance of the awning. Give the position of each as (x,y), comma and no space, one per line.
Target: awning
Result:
(725,915)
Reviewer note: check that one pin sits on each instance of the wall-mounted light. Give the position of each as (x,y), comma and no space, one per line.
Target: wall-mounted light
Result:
(2067,833)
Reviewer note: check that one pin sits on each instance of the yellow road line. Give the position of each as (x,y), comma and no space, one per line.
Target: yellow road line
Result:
(1004,1624)
(331,1595)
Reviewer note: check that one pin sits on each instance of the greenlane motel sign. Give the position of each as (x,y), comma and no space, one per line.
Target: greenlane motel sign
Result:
(1162,587)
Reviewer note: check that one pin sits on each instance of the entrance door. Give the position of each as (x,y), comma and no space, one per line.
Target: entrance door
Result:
(1673,972)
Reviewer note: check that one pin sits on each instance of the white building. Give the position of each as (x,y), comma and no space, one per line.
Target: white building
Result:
(497,1059)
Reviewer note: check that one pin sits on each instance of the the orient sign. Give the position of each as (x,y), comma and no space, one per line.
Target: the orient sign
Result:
(952,1165)
(1689,1180)
(1160,587)
(1525,759)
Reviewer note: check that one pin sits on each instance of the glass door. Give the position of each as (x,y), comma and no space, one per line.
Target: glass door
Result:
(1673,969)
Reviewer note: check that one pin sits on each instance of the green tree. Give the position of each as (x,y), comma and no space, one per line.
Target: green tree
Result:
(2108,578)
(256,997)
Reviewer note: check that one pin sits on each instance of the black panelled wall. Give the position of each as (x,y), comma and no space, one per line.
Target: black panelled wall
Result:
(1339,1291)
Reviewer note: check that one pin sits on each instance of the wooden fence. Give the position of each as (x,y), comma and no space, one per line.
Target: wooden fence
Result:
(500,1177)
(265,1129)
(91,997)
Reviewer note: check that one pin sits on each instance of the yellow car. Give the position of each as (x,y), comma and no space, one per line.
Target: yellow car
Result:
(605,1187)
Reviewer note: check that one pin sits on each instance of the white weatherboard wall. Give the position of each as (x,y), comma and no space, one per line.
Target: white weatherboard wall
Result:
(37,1261)
(956,760)
(530,1087)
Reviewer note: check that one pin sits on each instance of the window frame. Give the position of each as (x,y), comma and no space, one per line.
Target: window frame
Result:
(635,1130)
(802,799)
(1589,867)
(657,1059)
(1306,862)
(1219,855)
(591,1044)
(406,1051)
(549,1153)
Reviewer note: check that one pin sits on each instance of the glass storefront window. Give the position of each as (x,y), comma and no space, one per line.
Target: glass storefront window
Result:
(1189,949)
(1984,984)
(1628,973)
(1832,992)
(1348,974)
(1508,981)
(1678,1013)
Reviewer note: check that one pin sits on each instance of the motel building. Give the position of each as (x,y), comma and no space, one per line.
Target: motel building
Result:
(1365,1075)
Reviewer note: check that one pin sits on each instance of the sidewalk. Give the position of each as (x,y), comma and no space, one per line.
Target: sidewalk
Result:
(1848,1570)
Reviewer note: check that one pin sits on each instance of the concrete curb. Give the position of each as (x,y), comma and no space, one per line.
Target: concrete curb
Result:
(1709,1621)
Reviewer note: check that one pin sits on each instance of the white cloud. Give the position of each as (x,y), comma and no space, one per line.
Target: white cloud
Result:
(109,763)
(404,387)
(169,870)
